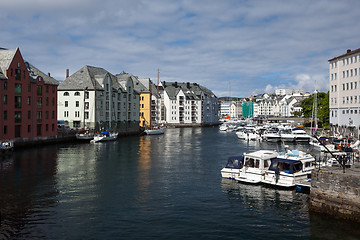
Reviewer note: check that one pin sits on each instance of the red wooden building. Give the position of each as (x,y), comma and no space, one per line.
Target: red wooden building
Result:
(28,109)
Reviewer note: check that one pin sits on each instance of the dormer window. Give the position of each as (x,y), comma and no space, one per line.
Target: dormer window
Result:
(66,94)
(76,94)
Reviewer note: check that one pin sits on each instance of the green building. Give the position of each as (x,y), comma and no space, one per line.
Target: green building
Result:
(248,109)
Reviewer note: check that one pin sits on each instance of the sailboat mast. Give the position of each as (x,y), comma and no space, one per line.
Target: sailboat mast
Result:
(157,100)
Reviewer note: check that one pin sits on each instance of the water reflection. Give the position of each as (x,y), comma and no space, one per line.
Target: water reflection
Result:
(27,191)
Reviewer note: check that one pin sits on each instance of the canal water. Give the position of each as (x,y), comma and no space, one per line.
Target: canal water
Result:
(151,187)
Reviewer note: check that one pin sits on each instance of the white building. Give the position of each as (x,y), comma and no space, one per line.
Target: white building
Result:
(344,75)
(188,103)
(94,98)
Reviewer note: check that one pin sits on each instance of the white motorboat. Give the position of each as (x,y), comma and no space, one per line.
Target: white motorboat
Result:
(300,135)
(105,137)
(233,167)
(255,165)
(248,134)
(289,169)
(155,131)
(271,135)
(286,135)
(223,127)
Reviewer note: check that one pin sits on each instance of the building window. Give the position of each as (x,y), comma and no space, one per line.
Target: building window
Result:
(39,102)
(66,94)
(5,115)
(86,105)
(28,100)
(66,103)
(53,115)
(86,115)
(76,94)
(29,128)
(18,117)
(86,95)
(17,88)
(5,85)
(39,116)
(47,114)
(5,129)
(17,74)
(17,101)
(39,90)
(29,115)
(77,104)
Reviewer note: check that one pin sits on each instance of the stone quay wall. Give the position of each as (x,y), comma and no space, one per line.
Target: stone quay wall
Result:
(336,193)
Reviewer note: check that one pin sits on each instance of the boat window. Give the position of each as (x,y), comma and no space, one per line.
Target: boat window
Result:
(249,162)
(308,164)
(257,163)
(266,163)
(297,167)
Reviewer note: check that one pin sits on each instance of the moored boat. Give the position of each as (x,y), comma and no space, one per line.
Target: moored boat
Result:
(105,137)
(155,131)
(289,169)
(255,165)
(233,167)
(6,147)
(85,136)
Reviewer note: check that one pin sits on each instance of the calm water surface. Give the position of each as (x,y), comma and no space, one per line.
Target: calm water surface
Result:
(150,187)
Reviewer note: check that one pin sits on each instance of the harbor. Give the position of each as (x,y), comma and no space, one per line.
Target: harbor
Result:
(164,186)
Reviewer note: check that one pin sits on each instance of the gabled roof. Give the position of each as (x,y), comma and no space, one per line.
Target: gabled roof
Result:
(34,73)
(87,77)
(192,91)
(6,57)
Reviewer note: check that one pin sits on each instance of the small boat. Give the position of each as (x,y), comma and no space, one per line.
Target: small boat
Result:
(255,165)
(155,131)
(289,169)
(271,135)
(85,136)
(233,167)
(300,135)
(6,147)
(105,137)
(248,134)
(223,127)
(286,135)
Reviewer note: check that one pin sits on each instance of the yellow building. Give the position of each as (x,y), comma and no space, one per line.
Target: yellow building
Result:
(145,108)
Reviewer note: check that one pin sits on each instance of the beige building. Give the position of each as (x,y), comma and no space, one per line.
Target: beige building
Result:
(344,75)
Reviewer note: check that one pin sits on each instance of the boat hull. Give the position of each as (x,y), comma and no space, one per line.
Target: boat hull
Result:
(155,131)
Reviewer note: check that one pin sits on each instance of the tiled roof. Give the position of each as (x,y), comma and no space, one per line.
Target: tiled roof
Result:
(87,77)
(34,73)
(348,52)
(5,58)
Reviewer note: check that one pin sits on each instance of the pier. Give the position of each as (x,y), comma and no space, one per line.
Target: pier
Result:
(336,192)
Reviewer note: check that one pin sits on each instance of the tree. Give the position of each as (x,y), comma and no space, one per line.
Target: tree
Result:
(322,107)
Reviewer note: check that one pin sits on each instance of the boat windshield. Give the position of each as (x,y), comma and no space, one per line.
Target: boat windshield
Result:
(235,162)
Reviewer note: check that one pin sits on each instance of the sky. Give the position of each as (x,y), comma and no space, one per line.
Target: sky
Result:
(235,48)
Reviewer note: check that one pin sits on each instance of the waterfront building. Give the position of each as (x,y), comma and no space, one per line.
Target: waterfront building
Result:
(93,98)
(189,104)
(283,92)
(143,86)
(28,109)
(225,107)
(248,109)
(344,102)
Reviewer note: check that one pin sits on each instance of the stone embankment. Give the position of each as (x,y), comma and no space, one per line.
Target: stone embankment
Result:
(336,193)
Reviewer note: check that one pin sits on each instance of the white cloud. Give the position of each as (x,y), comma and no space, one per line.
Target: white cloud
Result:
(257,45)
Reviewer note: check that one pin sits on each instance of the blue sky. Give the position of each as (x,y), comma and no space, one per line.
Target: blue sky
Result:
(232,47)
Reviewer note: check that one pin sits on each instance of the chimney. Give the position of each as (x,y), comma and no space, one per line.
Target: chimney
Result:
(49,74)
(348,51)
(67,73)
